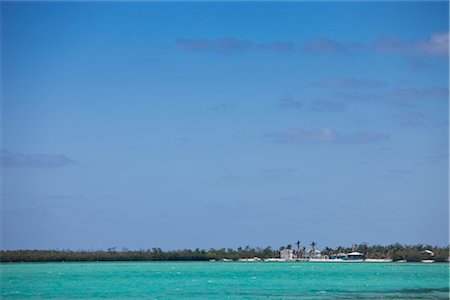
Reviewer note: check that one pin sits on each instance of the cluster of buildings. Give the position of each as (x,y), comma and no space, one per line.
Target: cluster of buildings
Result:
(288,254)
(314,254)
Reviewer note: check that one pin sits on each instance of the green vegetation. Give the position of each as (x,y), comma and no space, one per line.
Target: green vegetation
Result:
(155,254)
(394,252)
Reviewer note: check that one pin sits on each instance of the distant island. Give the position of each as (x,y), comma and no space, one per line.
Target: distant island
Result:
(363,252)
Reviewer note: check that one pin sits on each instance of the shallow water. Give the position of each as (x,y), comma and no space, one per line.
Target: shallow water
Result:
(224,280)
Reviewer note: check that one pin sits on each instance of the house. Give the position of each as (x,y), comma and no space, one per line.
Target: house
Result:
(314,254)
(355,256)
(287,254)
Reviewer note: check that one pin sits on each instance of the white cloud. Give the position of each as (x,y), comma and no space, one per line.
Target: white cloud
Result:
(9,159)
(325,136)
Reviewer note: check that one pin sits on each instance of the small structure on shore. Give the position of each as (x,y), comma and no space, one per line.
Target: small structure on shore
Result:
(338,256)
(287,254)
(428,252)
(352,256)
(355,256)
(314,254)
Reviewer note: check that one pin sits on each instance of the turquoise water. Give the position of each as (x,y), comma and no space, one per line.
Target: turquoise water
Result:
(224,280)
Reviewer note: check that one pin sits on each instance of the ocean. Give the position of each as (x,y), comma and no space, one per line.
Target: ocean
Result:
(224,280)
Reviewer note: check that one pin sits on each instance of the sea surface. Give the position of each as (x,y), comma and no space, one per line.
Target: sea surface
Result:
(224,280)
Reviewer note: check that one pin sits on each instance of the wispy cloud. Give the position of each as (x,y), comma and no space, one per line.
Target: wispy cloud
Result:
(324,45)
(291,199)
(224,106)
(278,172)
(277,47)
(223,45)
(357,96)
(436,45)
(417,65)
(232,176)
(63,197)
(397,173)
(386,148)
(349,83)
(324,136)
(288,103)
(10,160)
(229,45)
(386,45)
(411,119)
(416,93)
(441,159)
(184,139)
(327,106)
(400,96)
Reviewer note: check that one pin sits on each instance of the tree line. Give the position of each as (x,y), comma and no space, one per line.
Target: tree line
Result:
(395,252)
(154,254)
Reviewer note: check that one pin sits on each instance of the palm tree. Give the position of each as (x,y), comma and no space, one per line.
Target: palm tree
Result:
(313,245)
(298,255)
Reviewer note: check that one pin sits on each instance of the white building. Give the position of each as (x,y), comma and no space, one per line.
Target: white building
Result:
(314,254)
(287,254)
(355,256)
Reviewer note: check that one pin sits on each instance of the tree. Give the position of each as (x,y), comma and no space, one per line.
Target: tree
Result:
(313,246)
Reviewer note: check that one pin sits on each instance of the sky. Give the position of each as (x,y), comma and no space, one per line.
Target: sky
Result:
(215,124)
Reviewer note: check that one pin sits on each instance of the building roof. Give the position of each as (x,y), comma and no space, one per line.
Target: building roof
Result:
(287,250)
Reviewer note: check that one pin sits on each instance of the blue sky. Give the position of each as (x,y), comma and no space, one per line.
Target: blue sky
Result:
(185,125)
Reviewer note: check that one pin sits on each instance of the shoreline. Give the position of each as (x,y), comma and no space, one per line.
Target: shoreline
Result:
(358,253)
(231,261)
